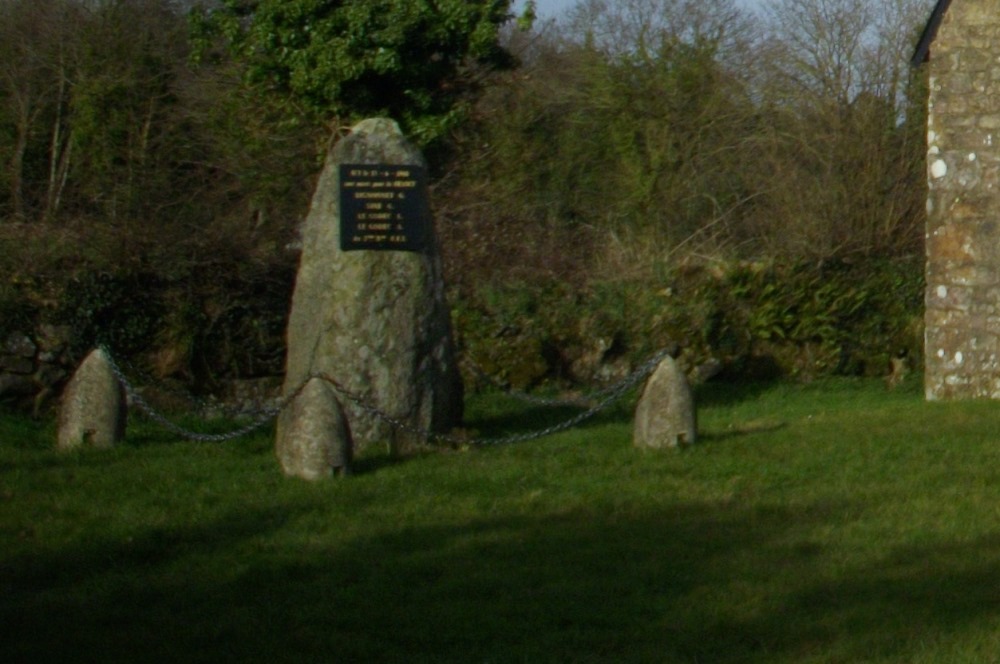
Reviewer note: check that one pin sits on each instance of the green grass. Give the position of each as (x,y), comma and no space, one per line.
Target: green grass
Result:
(834,522)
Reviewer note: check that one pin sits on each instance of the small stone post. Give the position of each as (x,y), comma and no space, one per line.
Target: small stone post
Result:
(93,409)
(665,415)
(316,441)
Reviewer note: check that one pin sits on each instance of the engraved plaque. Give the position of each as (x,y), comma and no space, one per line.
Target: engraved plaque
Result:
(383,207)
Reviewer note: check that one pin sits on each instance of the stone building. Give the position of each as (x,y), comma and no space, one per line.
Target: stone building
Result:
(960,49)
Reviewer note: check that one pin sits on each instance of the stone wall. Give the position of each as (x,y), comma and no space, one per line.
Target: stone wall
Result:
(962,341)
(34,364)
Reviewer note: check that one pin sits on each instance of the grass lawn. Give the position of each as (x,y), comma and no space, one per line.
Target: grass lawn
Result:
(834,522)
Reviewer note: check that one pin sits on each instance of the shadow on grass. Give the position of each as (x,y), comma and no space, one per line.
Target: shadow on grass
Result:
(696,583)
(507,416)
(19,431)
(143,431)
(535,418)
(724,393)
(513,417)
(372,462)
(740,430)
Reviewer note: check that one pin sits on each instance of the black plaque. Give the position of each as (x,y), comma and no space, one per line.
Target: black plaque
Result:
(383,207)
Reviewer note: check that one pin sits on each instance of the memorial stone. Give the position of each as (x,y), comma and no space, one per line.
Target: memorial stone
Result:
(93,408)
(368,311)
(665,415)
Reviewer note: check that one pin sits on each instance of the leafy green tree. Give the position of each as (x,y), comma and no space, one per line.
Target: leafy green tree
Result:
(346,59)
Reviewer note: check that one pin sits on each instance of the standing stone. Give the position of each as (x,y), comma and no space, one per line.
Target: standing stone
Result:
(316,441)
(93,406)
(376,322)
(665,415)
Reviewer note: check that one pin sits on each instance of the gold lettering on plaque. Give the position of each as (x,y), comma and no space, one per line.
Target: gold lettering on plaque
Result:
(382,207)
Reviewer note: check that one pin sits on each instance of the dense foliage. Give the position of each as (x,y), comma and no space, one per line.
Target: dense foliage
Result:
(772,185)
(352,59)
(745,320)
(654,172)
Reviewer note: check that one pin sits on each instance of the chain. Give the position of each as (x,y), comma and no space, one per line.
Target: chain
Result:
(201,405)
(581,402)
(610,396)
(265,416)
(576,402)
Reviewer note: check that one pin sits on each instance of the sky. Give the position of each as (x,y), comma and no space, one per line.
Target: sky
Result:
(547,8)
(553,8)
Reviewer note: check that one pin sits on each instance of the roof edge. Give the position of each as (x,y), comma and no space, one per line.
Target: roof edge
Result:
(922,52)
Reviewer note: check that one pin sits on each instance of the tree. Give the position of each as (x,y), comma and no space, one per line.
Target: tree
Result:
(839,151)
(123,101)
(37,48)
(629,121)
(87,89)
(347,59)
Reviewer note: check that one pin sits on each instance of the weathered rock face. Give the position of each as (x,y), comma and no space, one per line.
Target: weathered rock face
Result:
(316,440)
(93,406)
(665,415)
(962,340)
(32,366)
(376,322)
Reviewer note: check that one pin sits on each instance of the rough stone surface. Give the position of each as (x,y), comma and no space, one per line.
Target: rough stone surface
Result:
(317,440)
(34,365)
(962,338)
(20,345)
(376,322)
(665,415)
(92,412)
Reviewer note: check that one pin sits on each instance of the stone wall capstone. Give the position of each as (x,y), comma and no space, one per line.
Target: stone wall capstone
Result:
(375,322)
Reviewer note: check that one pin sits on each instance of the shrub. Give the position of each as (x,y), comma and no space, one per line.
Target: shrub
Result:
(799,321)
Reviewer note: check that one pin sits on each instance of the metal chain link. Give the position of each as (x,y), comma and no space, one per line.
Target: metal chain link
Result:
(201,405)
(575,402)
(581,402)
(264,417)
(610,396)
